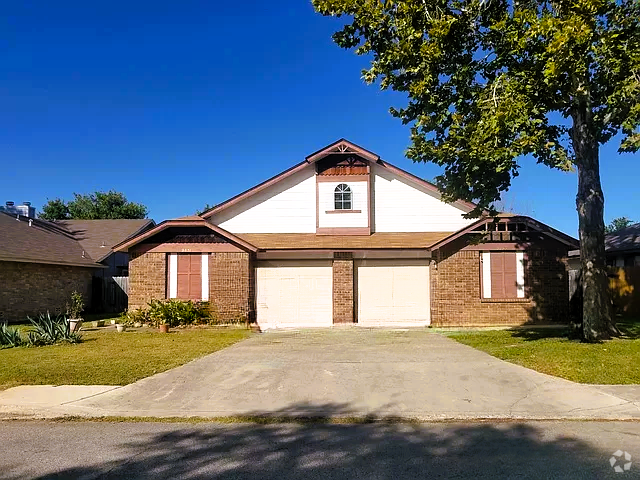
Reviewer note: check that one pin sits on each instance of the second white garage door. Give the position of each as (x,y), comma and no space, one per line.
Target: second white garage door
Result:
(393,292)
(294,294)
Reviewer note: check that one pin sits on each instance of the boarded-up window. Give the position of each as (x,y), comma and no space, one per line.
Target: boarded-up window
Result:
(189,277)
(503,275)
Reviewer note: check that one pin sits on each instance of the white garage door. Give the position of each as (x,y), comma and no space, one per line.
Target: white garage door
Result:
(294,294)
(393,292)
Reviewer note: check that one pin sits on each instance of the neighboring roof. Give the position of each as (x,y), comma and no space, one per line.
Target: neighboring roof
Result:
(311,241)
(339,147)
(23,239)
(98,237)
(190,221)
(508,217)
(626,239)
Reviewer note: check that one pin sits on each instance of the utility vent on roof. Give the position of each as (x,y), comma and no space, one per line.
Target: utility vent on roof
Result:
(25,209)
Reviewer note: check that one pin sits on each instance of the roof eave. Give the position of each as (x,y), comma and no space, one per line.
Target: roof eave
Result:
(124,246)
(543,228)
(51,262)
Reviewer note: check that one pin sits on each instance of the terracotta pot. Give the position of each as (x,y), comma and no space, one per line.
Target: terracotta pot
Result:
(121,328)
(164,328)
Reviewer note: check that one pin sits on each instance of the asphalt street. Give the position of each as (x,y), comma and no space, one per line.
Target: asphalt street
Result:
(522,450)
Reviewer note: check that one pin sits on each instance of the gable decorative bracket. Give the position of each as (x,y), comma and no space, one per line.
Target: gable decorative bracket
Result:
(342,147)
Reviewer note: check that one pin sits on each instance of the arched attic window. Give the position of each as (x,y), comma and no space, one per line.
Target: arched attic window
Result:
(342,197)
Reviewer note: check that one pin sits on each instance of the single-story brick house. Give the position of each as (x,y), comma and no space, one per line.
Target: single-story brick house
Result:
(42,263)
(346,237)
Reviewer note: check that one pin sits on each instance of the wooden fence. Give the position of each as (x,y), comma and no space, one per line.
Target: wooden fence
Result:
(110,294)
(624,286)
(624,283)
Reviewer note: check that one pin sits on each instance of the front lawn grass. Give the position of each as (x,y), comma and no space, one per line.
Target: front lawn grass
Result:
(553,352)
(106,357)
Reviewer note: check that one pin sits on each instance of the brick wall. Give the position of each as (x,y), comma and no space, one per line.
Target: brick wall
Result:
(456,296)
(231,281)
(32,288)
(343,285)
(147,278)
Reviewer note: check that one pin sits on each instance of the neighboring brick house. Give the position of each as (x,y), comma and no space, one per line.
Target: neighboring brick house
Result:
(345,237)
(42,263)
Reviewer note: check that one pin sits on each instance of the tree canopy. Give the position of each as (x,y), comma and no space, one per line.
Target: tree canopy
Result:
(204,209)
(93,206)
(490,82)
(618,224)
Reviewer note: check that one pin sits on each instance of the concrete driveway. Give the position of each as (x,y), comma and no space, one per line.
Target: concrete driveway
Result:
(359,372)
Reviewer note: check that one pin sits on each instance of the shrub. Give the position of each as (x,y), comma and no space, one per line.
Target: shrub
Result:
(177,312)
(48,330)
(75,306)
(130,317)
(10,337)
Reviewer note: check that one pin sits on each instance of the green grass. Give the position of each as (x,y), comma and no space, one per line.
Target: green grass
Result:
(106,357)
(552,352)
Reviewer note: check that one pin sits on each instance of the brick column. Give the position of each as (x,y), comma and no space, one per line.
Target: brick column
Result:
(343,285)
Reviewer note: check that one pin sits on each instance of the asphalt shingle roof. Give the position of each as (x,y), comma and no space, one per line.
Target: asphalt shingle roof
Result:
(98,236)
(32,240)
(66,242)
(623,240)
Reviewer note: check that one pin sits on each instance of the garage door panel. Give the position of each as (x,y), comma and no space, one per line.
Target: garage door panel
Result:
(294,294)
(393,292)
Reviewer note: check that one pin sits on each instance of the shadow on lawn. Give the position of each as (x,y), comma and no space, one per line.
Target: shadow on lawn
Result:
(629,327)
(314,449)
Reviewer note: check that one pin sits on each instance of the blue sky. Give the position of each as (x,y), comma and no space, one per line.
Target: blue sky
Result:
(179,104)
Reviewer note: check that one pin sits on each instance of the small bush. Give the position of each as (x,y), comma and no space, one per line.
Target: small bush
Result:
(75,306)
(177,312)
(131,317)
(10,337)
(48,330)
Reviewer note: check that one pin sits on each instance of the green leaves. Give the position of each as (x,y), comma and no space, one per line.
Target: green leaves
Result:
(490,82)
(48,330)
(98,205)
(618,224)
(10,336)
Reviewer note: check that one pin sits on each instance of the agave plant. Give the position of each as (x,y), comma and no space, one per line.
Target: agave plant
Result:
(10,337)
(48,330)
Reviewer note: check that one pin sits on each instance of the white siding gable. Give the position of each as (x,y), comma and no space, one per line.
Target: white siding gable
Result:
(400,205)
(288,206)
(336,220)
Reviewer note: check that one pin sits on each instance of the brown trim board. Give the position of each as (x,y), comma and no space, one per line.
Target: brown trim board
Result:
(124,246)
(343,231)
(342,178)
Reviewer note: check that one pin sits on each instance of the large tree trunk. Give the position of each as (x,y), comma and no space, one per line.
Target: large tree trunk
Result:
(597,321)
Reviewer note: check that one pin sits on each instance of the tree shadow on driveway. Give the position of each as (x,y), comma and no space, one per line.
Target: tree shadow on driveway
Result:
(315,449)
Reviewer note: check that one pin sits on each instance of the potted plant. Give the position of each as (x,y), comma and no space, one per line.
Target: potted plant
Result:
(164,327)
(123,322)
(74,308)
